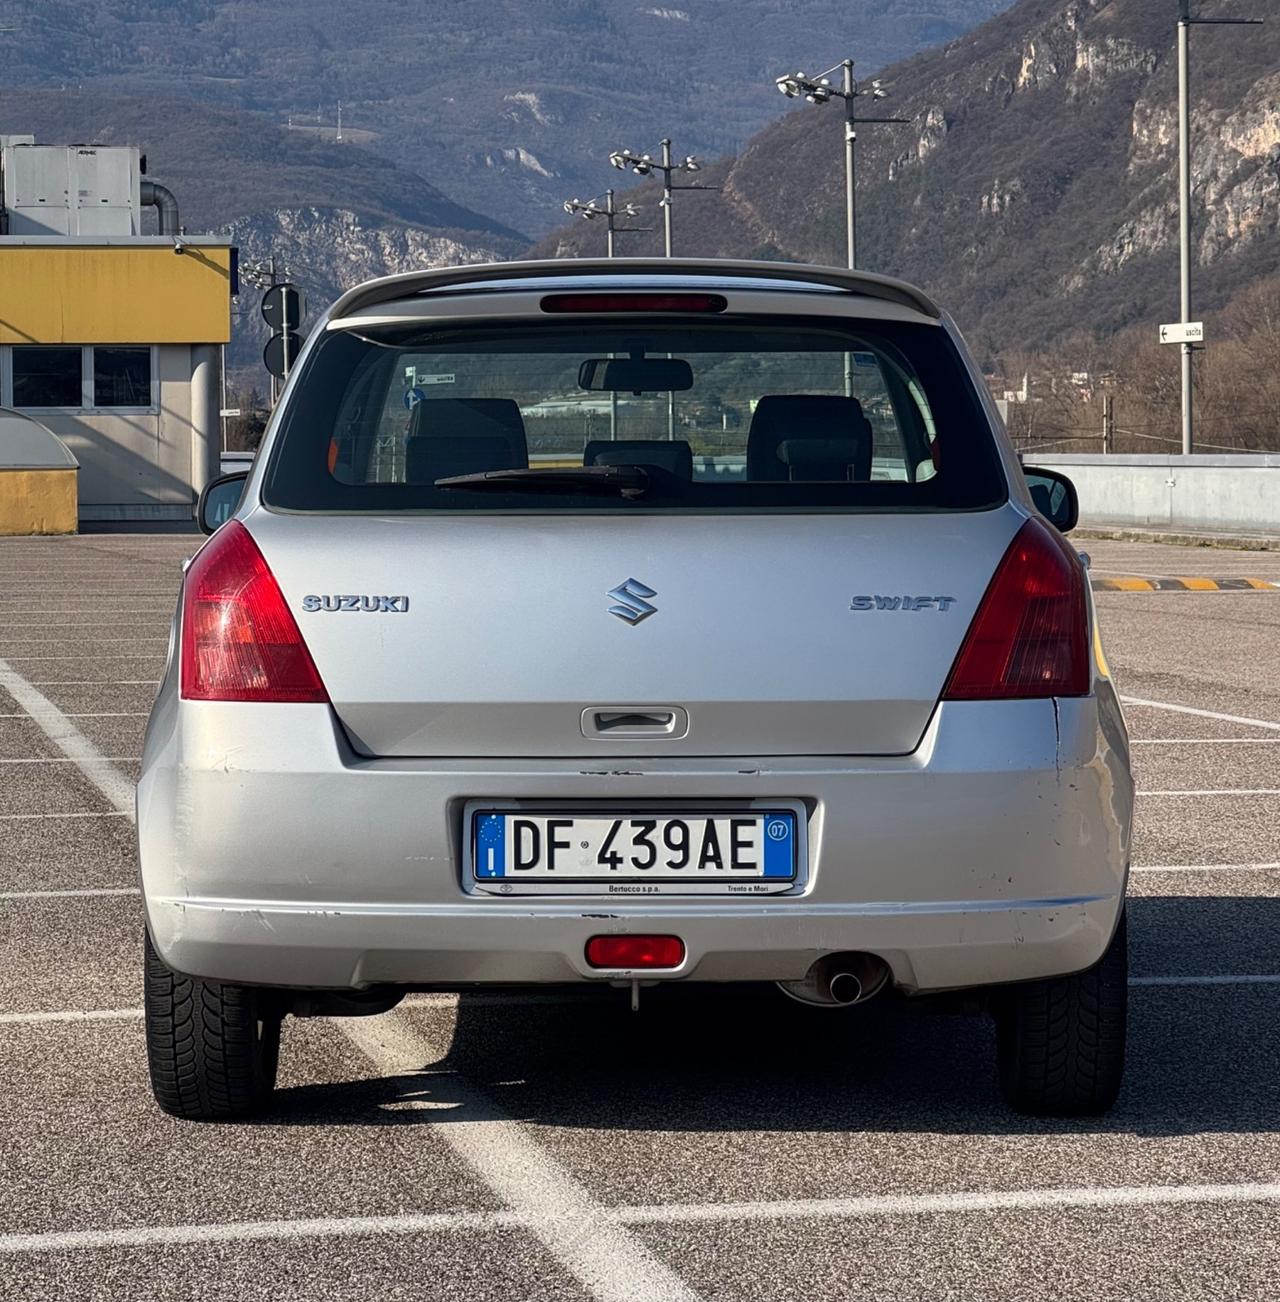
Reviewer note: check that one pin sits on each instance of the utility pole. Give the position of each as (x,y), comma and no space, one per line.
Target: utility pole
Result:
(1185,24)
(1108,424)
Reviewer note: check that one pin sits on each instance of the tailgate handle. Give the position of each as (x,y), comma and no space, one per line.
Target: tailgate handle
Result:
(635,721)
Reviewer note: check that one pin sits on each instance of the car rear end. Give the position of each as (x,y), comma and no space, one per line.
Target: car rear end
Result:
(613,623)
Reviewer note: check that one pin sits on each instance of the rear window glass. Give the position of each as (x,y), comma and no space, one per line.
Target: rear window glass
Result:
(628,415)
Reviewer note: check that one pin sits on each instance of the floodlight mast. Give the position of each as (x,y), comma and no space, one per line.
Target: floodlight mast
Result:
(646,164)
(819,90)
(610,212)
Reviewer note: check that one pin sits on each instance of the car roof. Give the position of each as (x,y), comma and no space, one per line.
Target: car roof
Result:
(578,273)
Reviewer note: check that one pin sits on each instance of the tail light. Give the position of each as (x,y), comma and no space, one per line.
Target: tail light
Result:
(239,640)
(1029,637)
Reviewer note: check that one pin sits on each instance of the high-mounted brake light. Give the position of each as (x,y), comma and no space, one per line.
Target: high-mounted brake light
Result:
(1029,637)
(240,641)
(634,303)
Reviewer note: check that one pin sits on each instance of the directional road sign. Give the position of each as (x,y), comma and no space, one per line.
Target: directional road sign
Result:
(1189,332)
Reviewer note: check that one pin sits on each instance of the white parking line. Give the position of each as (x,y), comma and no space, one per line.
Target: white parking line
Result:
(577,1230)
(95,682)
(1214,791)
(1204,741)
(86,892)
(617,1219)
(62,641)
(1202,714)
(113,784)
(98,714)
(105,813)
(1204,867)
(73,1015)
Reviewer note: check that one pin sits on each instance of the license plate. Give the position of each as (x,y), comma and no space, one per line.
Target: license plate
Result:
(752,852)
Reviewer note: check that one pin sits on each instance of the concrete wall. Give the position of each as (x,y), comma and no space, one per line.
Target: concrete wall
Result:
(1231,494)
(142,465)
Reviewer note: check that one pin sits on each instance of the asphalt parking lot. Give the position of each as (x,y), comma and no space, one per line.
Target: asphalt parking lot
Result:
(708,1148)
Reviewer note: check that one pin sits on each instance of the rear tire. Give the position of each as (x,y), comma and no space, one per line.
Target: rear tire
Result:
(1061,1042)
(212,1048)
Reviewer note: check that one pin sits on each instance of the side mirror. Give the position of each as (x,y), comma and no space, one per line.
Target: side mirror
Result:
(1055,498)
(219,499)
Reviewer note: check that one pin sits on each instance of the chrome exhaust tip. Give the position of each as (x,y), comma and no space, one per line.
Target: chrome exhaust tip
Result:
(839,981)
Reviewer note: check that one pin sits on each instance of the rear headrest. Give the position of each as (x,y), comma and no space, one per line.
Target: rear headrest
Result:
(438,456)
(807,419)
(668,454)
(473,418)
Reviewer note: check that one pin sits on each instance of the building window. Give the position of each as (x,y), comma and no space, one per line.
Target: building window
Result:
(121,377)
(46,376)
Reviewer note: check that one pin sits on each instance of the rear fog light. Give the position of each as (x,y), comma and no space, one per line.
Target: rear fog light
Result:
(635,951)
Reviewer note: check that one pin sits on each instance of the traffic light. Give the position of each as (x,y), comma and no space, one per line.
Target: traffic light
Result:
(282,309)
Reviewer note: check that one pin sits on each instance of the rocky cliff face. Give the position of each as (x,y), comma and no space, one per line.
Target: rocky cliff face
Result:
(1034,186)
(326,251)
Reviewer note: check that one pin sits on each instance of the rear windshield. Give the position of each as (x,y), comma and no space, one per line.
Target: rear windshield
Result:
(725,415)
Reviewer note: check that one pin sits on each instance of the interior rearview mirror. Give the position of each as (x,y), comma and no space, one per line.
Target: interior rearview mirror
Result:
(1055,497)
(219,499)
(635,375)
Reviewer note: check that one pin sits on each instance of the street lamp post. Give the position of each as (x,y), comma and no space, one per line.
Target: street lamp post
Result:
(646,164)
(1185,24)
(819,90)
(610,212)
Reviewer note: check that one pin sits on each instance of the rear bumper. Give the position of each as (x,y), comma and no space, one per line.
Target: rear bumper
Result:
(272,854)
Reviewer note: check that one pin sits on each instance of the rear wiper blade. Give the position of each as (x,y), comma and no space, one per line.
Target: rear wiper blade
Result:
(624,480)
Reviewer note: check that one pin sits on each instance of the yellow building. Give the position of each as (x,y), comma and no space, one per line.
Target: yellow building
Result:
(110,338)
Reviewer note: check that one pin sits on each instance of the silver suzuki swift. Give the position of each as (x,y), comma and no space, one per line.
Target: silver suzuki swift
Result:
(635,622)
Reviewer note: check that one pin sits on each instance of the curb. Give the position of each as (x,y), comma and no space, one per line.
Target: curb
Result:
(1246,542)
(1132,583)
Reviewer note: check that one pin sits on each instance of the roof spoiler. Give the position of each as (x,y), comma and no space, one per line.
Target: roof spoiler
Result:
(864,283)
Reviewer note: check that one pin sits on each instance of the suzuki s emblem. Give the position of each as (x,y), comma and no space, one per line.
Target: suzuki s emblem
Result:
(632,604)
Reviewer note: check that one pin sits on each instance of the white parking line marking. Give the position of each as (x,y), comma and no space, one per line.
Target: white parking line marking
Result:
(1202,714)
(157,1236)
(953,1203)
(1215,791)
(1204,741)
(577,1230)
(617,1219)
(55,725)
(105,813)
(87,892)
(99,714)
(61,641)
(73,1015)
(95,682)
(1204,867)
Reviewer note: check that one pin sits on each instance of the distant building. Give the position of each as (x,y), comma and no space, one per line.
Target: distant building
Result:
(110,338)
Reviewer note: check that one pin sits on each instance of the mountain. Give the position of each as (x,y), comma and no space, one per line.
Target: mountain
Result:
(332,215)
(1033,189)
(510,105)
